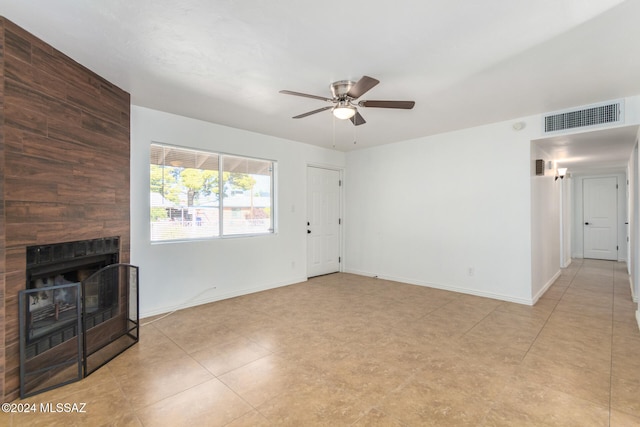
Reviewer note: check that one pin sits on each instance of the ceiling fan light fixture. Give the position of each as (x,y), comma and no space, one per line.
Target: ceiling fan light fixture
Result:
(344,111)
(344,94)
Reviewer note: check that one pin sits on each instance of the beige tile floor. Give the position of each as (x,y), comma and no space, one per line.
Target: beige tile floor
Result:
(350,350)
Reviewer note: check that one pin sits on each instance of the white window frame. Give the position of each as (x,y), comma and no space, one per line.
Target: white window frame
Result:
(222,232)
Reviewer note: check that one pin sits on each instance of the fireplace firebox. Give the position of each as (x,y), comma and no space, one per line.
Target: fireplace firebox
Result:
(80,309)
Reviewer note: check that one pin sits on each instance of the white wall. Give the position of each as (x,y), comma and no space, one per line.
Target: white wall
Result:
(545,225)
(450,211)
(634,225)
(176,275)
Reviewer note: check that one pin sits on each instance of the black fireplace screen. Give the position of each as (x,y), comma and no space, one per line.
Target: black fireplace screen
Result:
(110,314)
(59,264)
(54,329)
(69,330)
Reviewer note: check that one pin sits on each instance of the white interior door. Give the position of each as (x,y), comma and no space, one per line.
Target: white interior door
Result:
(323,221)
(600,200)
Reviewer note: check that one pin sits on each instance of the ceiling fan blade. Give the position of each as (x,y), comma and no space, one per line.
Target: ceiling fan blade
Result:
(405,105)
(362,86)
(299,116)
(357,120)
(306,95)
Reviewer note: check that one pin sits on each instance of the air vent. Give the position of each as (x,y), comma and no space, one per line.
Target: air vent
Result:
(592,115)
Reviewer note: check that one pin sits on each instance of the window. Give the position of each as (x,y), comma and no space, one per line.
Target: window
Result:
(191,199)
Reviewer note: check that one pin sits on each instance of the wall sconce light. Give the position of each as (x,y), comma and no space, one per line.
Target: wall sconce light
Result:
(561,173)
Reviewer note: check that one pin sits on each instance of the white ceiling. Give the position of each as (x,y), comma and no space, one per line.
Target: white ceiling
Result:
(465,63)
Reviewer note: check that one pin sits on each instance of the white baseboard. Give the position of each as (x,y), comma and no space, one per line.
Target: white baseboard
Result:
(444,287)
(194,301)
(546,287)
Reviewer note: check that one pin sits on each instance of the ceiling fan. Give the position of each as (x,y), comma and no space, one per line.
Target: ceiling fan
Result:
(344,95)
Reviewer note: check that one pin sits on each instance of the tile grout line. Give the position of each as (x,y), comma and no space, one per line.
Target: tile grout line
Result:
(552,311)
(216,377)
(613,305)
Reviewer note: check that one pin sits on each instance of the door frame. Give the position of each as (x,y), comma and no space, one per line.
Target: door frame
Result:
(341,201)
(577,215)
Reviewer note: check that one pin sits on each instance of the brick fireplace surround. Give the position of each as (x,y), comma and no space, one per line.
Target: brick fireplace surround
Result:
(64,167)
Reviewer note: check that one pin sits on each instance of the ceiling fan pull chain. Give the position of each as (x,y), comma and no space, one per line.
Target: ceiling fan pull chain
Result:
(333,120)
(355,134)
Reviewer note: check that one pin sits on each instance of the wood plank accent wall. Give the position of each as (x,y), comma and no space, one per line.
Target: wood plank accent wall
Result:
(64,165)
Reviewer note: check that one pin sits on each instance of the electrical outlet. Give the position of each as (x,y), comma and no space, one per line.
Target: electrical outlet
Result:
(471,271)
